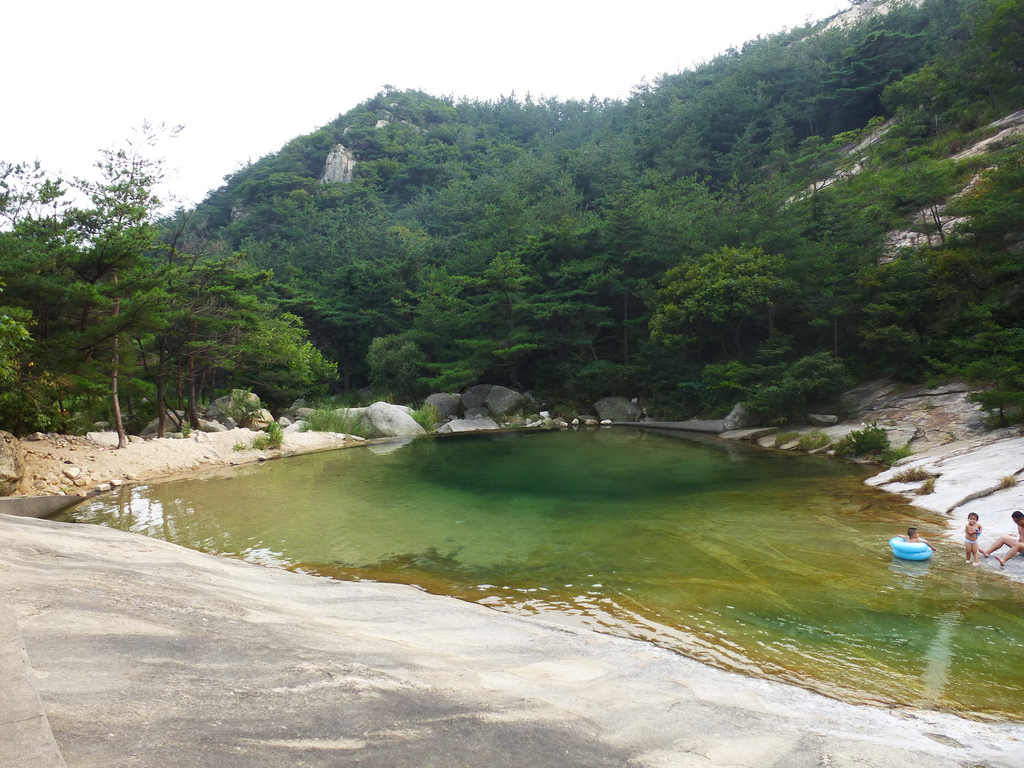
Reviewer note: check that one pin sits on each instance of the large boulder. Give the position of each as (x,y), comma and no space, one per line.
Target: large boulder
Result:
(224,408)
(617,409)
(822,419)
(12,464)
(448,404)
(259,421)
(474,397)
(741,417)
(170,424)
(502,401)
(386,420)
(219,409)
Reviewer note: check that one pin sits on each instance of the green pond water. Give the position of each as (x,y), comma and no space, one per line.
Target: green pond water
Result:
(766,563)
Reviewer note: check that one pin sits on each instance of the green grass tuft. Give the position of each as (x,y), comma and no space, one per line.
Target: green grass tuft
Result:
(427,417)
(915,475)
(813,440)
(269,440)
(339,420)
(785,437)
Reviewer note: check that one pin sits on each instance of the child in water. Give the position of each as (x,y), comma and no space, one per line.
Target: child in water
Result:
(972,532)
(913,538)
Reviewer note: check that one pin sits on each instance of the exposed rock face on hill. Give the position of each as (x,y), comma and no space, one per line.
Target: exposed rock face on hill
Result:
(340,167)
(930,417)
(864,11)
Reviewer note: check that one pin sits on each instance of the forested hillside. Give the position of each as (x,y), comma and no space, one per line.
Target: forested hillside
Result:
(726,233)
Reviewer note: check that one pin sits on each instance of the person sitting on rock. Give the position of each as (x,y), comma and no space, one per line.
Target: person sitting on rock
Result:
(1016,546)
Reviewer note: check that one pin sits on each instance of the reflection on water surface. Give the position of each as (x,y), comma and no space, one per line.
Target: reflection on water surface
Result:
(766,563)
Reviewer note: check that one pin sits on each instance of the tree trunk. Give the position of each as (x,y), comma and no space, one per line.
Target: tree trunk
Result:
(193,417)
(625,329)
(122,438)
(344,366)
(938,223)
(181,398)
(161,380)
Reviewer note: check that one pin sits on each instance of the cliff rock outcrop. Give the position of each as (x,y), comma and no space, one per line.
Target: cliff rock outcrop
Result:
(340,167)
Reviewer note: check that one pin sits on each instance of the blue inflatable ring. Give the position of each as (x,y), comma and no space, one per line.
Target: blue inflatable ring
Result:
(908,551)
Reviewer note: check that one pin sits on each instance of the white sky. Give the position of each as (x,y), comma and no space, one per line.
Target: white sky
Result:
(245,78)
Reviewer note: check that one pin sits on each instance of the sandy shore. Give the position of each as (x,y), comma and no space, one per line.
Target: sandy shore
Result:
(59,464)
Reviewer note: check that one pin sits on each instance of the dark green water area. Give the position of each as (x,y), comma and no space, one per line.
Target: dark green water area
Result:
(761,562)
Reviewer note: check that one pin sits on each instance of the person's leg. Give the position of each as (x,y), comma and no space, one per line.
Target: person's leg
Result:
(974,551)
(967,548)
(1014,549)
(1002,541)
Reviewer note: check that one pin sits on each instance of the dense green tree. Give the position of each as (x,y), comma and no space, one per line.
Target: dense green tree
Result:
(717,296)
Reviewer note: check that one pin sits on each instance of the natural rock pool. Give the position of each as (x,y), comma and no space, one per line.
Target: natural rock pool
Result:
(762,562)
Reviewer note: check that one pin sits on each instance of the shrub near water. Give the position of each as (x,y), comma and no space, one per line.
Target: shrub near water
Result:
(870,440)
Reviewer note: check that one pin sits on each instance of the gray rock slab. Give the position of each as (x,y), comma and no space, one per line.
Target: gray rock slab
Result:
(755,433)
(25,735)
(711,426)
(36,506)
(468,425)
(108,439)
(972,470)
(146,654)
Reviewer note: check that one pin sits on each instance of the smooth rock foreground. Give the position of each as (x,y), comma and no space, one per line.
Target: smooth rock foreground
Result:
(147,654)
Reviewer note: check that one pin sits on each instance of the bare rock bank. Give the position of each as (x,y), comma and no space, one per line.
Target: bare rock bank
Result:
(147,654)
